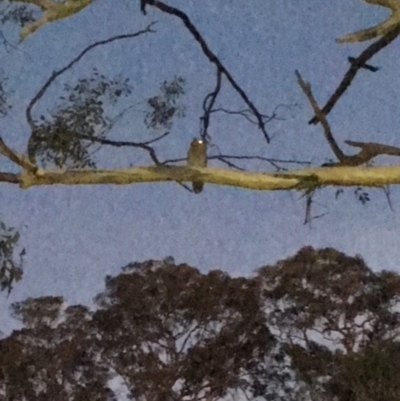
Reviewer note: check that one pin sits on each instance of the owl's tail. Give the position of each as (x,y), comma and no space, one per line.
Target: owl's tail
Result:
(197,187)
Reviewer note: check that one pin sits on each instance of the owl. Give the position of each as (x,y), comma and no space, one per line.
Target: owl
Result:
(197,157)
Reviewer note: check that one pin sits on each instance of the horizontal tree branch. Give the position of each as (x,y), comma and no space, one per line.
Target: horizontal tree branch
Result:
(301,179)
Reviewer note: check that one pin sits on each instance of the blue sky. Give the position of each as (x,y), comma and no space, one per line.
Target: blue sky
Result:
(74,236)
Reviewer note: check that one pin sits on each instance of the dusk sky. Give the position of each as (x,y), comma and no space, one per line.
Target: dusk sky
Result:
(74,236)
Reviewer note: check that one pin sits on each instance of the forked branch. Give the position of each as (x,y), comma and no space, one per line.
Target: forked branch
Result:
(369,150)
(212,57)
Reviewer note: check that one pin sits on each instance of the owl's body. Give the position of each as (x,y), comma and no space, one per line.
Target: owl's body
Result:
(197,157)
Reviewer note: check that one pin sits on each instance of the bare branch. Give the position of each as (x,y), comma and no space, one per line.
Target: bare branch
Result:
(305,86)
(386,190)
(228,163)
(9,177)
(244,113)
(156,138)
(308,218)
(208,104)
(118,144)
(368,151)
(267,159)
(21,160)
(225,159)
(211,56)
(361,60)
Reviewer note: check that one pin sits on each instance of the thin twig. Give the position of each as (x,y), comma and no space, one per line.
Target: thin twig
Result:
(56,74)
(228,163)
(156,138)
(208,104)
(386,191)
(225,158)
(243,113)
(267,159)
(119,144)
(232,157)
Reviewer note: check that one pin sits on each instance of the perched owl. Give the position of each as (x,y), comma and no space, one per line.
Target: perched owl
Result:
(197,157)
